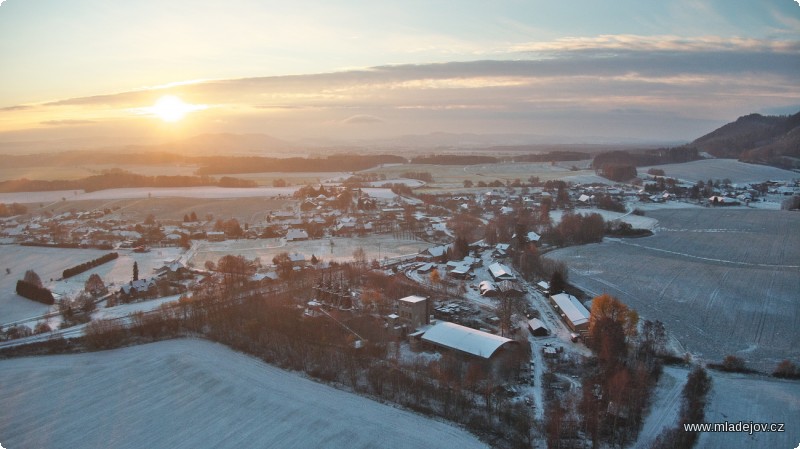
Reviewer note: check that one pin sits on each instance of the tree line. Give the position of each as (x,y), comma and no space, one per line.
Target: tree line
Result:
(78,269)
(250,164)
(117,178)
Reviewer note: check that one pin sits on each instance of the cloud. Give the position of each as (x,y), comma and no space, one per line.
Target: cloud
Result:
(630,42)
(19,107)
(603,84)
(362,120)
(66,122)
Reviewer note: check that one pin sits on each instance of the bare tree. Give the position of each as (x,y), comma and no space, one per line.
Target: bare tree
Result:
(95,286)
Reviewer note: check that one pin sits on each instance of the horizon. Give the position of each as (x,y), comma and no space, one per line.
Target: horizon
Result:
(619,73)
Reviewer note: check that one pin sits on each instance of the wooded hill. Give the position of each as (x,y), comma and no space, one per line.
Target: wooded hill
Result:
(771,140)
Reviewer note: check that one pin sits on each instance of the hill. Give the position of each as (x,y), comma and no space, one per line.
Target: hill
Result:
(190,394)
(772,140)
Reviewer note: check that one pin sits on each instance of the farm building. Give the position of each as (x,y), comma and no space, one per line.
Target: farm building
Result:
(413,311)
(543,286)
(465,340)
(574,313)
(500,272)
(511,288)
(486,288)
(296,234)
(537,328)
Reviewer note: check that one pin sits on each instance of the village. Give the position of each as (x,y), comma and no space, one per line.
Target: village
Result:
(481,292)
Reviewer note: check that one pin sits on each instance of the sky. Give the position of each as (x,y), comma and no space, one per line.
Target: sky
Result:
(582,69)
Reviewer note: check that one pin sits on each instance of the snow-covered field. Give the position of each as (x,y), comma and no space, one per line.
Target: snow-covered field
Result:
(723,281)
(49,263)
(637,221)
(375,247)
(167,192)
(735,397)
(665,407)
(193,394)
(737,172)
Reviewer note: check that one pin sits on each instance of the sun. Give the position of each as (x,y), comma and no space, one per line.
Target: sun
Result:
(172,109)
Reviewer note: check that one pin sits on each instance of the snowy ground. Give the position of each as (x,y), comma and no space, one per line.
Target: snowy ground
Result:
(737,172)
(49,263)
(375,247)
(733,398)
(665,407)
(168,192)
(192,393)
(736,397)
(723,281)
(637,221)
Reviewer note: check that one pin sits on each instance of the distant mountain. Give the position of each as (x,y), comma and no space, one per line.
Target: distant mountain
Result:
(771,140)
(215,144)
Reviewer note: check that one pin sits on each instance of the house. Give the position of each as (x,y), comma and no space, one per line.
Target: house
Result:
(296,234)
(215,236)
(722,201)
(533,237)
(426,268)
(172,270)
(434,252)
(572,311)
(486,288)
(501,250)
(413,311)
(500,272)
(297,259)
(137,288)
(537,328)
(511,288)
(543,286)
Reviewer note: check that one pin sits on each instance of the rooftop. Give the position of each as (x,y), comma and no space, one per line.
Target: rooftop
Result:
(464,339)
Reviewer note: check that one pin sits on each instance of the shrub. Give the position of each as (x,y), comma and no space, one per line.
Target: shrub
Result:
(31,291)
(787,370)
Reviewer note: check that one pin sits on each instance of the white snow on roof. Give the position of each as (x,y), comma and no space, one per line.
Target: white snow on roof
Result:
(572,308)
(412,299)
(536,323)
(500,271)
(465,339)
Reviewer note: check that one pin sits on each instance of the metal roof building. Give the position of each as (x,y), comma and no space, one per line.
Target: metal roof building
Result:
(465,339)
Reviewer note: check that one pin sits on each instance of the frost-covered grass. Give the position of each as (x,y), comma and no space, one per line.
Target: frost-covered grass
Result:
(190,394)
(723,281)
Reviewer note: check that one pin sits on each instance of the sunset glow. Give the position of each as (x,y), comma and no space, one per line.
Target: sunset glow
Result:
(172,109)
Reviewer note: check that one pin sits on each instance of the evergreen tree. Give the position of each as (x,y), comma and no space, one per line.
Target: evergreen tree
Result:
(135,271)
(32,278)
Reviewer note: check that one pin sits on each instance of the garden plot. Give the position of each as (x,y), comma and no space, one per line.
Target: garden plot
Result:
(723,281)
(49,263)
(375,247)
(192,393)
